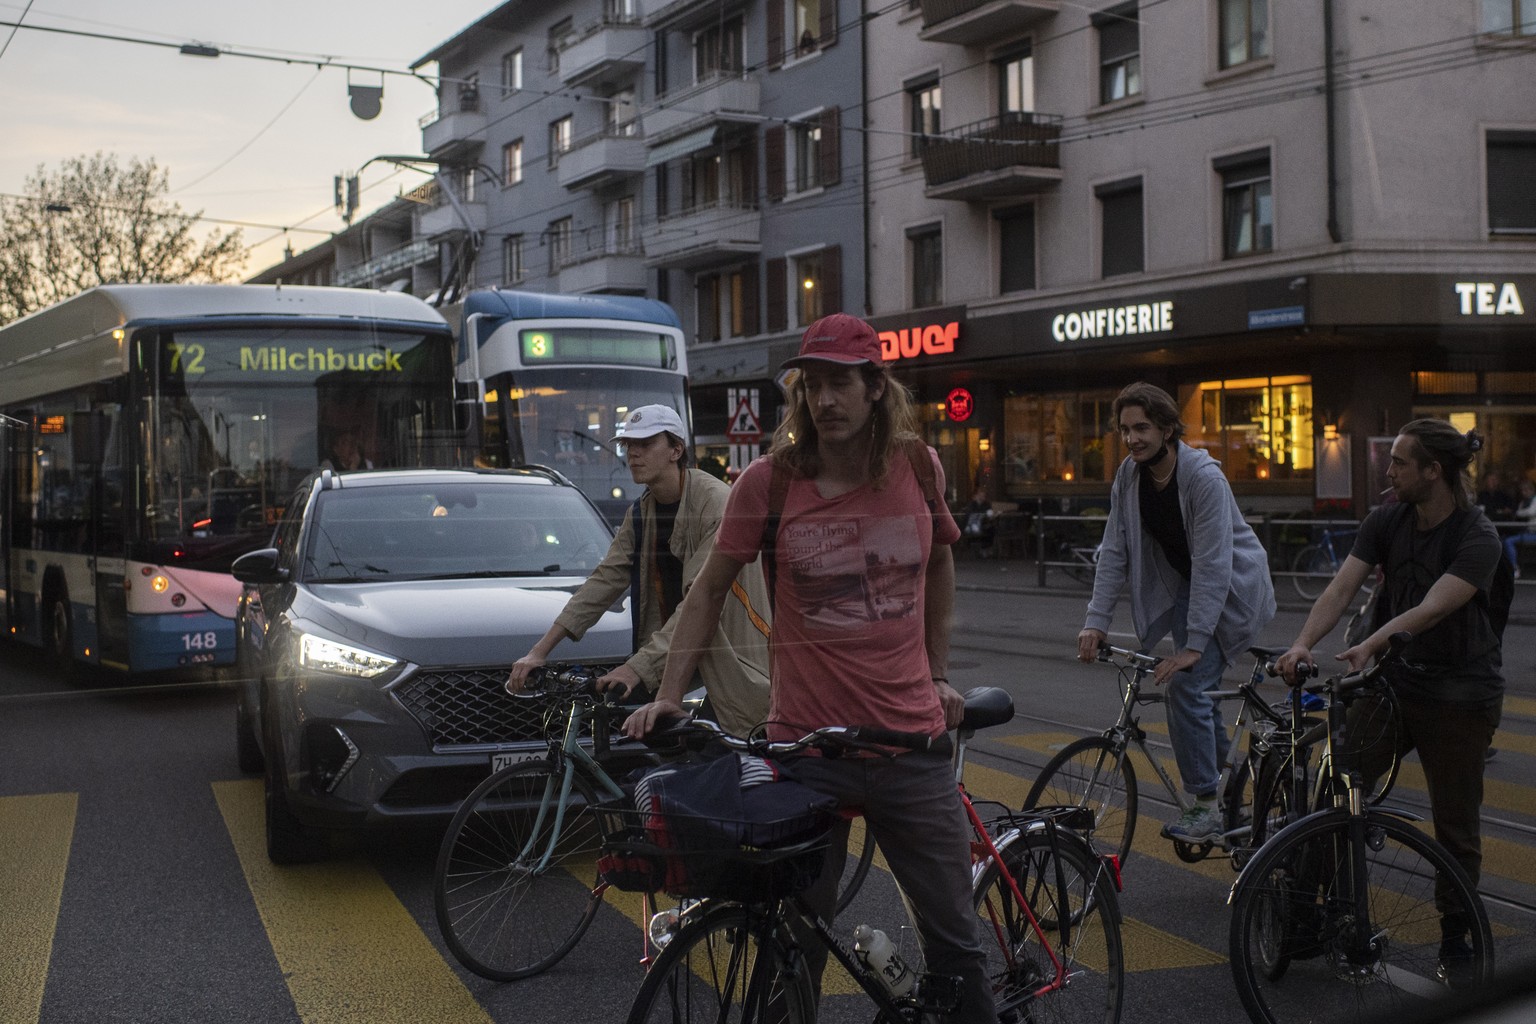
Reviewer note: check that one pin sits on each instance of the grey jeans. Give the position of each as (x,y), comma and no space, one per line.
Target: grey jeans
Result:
(913,809)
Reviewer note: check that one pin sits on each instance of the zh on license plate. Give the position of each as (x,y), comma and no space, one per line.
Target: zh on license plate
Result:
(507,758)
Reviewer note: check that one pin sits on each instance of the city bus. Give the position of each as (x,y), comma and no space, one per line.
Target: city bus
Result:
(153,433)
(552,377)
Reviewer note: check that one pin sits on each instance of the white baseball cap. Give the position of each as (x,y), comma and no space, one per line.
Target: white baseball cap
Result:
(648,421)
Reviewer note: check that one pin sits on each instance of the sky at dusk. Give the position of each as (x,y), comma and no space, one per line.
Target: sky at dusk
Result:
(243,139)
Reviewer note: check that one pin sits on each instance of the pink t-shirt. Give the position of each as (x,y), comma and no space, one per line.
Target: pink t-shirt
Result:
(848,636)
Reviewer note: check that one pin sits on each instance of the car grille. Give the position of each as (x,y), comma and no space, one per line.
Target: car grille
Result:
(465,706)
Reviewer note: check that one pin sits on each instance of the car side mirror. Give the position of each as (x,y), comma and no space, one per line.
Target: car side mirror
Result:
(259,566)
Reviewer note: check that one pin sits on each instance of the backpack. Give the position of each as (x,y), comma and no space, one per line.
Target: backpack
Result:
(778,492)
(1493,602)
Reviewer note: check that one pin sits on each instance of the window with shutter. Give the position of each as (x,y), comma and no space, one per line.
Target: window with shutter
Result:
(773,159)
(777,305)
(831,156)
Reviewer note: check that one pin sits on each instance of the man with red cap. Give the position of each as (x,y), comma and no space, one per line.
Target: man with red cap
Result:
(863,580)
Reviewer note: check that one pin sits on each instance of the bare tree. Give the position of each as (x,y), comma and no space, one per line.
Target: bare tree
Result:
(93,221)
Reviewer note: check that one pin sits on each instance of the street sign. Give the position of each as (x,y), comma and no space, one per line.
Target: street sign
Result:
(744,428)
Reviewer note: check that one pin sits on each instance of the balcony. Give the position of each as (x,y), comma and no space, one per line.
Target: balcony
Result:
(975,22)
(602,159)
(410,254)
(725,97)
(612,49)
(1001,157)
(444,219)
(610,265)
(705,234)
(447,133)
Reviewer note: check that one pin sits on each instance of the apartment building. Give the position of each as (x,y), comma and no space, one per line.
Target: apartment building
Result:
(1309,222)
(1307,245)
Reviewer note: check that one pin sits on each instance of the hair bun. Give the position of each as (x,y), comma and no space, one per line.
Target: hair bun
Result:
(1474,441)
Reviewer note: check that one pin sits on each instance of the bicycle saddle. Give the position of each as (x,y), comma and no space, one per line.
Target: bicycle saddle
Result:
(986,705)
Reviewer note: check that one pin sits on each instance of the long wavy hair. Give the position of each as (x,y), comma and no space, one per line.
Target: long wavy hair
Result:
(1436,441)
(893,422)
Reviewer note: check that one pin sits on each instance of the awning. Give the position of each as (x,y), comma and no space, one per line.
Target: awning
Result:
(682,146)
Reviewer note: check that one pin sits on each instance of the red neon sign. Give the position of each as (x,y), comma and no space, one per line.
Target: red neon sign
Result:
(961,404)
(932,340)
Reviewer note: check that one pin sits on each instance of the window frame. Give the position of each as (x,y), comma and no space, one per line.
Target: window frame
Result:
(1114,22)
(1109,195)
(561,135)
(809,266)
(561,233)
(512,61)
(1510,197)
(1024,212)
(925,264)
(512,163)
(1004,63)
(1521,23)
(513,269)
(1255,41)
(1247,193)
(805,143)
(924,118)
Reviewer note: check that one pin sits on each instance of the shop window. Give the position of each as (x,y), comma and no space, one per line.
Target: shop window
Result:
(1259,428)
(1429,382)
(925,246)
(1244,31)
(1120,223)
(1016,249)
(1247,206)
(925,103)
(1511,169)
(1063,437)
(1119,53)
(1512,18)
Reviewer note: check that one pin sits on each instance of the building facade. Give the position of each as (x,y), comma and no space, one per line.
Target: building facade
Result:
(1307,222)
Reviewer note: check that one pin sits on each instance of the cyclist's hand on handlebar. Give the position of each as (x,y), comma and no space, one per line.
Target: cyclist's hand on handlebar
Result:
(1296,665)
(1358,657)
(639,724)
(1166,667)
(622,678)
(1088,642)
(517,679)
(952,703)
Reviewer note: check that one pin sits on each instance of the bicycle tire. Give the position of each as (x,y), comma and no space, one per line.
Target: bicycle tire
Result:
(1089,773)
(1238,798)
(715,970)
(1274,802)
(1313,570)
(855,872)
(1081,894)
(502,915)
(1285,944)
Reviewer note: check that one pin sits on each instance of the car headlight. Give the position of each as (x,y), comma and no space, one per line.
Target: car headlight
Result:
(324,655)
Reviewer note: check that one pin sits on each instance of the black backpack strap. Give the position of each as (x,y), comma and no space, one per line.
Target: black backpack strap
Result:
(635,525)
(1381,610)
(778,494)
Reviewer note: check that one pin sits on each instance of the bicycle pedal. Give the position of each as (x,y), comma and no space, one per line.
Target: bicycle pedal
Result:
(937,993)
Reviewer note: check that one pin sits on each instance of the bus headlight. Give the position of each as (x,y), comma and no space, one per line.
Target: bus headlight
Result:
(325,655)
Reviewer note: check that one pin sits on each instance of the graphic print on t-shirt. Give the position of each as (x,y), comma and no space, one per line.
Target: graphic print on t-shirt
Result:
(851,571)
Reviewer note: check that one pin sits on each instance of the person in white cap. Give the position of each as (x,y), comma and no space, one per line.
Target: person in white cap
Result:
(858,544)
(658,550)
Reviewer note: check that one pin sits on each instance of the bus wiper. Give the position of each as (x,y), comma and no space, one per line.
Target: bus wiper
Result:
(491,574)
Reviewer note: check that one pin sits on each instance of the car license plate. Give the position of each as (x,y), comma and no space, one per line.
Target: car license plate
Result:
(507,758)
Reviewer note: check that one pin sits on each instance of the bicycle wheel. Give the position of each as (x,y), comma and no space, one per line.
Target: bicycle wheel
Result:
(1088,773)
(1313,570)
(1274,803)
(720,968)
(512,895)
(855,870)
(1061,880)
(1298,951)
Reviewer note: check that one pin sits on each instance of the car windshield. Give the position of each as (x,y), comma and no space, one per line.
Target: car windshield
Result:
(487,527)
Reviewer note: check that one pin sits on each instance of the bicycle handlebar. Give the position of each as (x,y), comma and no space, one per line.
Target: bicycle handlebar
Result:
(830,739)
(1350,682)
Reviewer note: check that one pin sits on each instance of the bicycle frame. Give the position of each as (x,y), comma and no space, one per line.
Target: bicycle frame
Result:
(569,757)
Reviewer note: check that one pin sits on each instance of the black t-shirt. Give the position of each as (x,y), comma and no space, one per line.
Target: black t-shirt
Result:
(668,565)
(1456,661)
(1164,520)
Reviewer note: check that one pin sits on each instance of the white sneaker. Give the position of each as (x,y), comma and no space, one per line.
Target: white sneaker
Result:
(1200,824)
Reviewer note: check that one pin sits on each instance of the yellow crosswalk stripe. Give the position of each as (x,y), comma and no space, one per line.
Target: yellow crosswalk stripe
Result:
(34,855)
(347,947)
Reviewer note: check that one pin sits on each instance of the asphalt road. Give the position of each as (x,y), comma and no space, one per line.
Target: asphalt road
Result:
(134,887)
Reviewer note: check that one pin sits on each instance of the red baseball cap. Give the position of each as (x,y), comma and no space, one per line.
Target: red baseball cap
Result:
(839,338)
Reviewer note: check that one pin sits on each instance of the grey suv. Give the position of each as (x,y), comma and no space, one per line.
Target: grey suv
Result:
(376,633)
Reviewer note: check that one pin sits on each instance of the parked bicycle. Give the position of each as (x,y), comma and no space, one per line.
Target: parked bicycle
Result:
(1096,773)
(516,885)
(1350,912)
(1316,564)
(1048,905)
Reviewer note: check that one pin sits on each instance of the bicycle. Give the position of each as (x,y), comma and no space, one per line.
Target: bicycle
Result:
(1096,773)
(1335,918)
(1080,561)
(1048,903)
(1316,564)
(515,885)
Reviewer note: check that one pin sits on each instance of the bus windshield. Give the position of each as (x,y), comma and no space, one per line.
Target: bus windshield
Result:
(563,417)
(241,415)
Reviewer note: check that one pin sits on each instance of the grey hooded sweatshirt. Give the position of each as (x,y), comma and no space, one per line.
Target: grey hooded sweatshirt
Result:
(1231,596)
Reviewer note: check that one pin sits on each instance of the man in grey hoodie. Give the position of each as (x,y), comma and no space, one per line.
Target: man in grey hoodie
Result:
(1195,570)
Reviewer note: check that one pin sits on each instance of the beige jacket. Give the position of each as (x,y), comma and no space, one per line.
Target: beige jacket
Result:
(735,668)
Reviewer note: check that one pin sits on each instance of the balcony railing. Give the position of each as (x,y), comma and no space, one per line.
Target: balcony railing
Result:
(704,233)
(449,130)
(723,96)
(614,46)
(977,21)
(602,158)
(410,254)
(601,262)
(1013,154)
(442,220)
